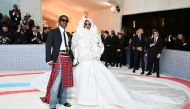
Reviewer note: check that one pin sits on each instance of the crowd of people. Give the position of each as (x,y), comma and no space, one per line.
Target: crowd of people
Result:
(139,46)
(17,30)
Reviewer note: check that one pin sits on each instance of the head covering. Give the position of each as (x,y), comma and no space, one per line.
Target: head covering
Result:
(80,28)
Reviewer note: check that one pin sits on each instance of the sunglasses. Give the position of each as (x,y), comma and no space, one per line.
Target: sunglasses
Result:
(63,20)
(87,24)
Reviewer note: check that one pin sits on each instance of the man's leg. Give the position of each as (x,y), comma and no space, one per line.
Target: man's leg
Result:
(54,91)
(157,67)
(142,62)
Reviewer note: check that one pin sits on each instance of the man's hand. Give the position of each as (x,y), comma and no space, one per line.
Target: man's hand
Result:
(50,63)
(153,44)
(118,50)
(139,48)
(158,56)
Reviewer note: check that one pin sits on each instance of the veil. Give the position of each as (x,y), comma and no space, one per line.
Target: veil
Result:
(80,34)
(80,28)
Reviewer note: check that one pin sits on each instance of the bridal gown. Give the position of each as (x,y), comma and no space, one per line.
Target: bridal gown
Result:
(96,85)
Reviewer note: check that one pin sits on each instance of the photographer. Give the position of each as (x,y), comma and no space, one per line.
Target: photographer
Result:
(5,35)
(21,35)
(27,19)
(35,37)
(15,17)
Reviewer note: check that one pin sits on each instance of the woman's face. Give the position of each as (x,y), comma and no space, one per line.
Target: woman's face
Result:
(87,24)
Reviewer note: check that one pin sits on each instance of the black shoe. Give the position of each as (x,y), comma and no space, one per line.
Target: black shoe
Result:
(67,104)
(116,65)
(120,66)
(158,75)
(133,71)
(106,64)
(52,108)
(142,72)
(149,73)
(112,65)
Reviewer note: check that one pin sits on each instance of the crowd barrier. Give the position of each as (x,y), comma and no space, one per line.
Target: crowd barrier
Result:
(32,57)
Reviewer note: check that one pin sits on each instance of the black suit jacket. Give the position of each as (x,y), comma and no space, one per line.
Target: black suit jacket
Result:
(136,42)
(17,15)
(154,50)
(54,41)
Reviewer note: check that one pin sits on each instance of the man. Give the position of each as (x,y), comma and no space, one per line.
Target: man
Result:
(27,19)
(35,36)
(138,43)
(107,51)
(114,47)
(15,16)
(22,34)
(5,35)
(60,59)
(155,49)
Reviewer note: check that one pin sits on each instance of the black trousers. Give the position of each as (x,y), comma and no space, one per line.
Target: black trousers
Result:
(139,58)
(154,61)
(131,58)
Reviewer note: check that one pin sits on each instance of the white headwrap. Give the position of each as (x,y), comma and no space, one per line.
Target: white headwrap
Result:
(80,28)
(84,39)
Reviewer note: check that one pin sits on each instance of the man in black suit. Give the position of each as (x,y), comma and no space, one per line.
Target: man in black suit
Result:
(155,49)
(114,47)
(15,16)
(27,19)
(108,50)
(148,53)
(58,55)
(138,43)
(5,35)
(35,37)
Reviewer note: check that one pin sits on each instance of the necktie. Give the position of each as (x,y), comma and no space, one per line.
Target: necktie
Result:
(154,40)
(65,41)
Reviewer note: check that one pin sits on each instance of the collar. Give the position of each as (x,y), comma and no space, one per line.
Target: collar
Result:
(62,29)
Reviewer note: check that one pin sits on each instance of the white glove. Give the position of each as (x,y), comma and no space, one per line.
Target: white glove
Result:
(75,62)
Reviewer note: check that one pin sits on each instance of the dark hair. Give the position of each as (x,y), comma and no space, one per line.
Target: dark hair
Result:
(4,25)
(106,31)
(15,6)
(119,34)
(155,31)
(60,17)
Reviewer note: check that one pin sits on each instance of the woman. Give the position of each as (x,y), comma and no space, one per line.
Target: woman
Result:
(93,79)
(95,84)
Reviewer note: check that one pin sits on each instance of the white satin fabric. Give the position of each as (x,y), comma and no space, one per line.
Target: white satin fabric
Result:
(96,85)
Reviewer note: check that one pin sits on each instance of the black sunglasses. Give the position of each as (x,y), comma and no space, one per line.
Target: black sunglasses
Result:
(63,20)
(87,24)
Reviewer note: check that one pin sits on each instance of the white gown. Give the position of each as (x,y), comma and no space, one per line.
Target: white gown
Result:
(95,85)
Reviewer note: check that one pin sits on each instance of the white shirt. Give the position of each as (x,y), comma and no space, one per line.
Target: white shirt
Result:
(62,47)
(34,33)
(156,38)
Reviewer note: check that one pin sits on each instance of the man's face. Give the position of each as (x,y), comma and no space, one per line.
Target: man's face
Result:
(156,34)
(5,29)
(34,29)
(180,36)
(105,34)
(63,22)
